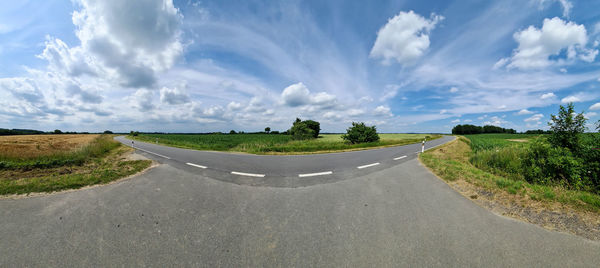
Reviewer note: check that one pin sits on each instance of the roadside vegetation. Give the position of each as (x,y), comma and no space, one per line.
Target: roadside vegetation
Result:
(563,166)
(303,137)
(46,163)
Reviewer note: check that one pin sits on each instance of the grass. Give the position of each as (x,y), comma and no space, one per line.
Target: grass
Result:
(274,143)
(451,162)
(95,162)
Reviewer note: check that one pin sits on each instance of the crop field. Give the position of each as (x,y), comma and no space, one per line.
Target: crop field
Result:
(492,141)
(44,163)
(274,143)
(32,146)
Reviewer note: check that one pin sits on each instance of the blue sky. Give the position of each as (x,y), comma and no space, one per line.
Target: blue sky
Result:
(199,66)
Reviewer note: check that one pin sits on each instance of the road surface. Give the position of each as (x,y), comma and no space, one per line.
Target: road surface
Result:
(394,215)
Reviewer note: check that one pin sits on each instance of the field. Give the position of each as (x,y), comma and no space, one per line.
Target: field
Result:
(274,143)
(45,163)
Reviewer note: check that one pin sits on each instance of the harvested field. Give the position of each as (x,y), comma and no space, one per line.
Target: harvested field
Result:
(32,146)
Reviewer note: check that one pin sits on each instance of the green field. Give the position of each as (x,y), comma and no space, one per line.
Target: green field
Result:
(274,143)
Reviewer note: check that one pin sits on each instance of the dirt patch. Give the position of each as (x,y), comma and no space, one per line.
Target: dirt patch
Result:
(518,140)
(30,146)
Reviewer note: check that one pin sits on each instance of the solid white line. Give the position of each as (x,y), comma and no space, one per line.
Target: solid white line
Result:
(369,165)
(247,174)
(315,174)
(194,165)
(398,158)
(152,153)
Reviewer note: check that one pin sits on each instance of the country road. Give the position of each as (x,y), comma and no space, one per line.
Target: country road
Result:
(393,214)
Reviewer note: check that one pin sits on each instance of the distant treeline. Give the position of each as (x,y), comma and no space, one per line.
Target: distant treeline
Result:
(16,131)
(472,129)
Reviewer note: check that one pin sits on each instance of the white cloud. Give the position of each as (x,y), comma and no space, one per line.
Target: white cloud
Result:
(468,121)
(453,90)
(455,121)
(495,121)
(355,112)
(404,38)
(502,107)
(595,106)
(173,96)
(537,45)
(524,111)
(535,117)
(383,110)
(547,96)
(234,106)
(589,115)
(389,92)
(570,99)
(296,95)
(142,100)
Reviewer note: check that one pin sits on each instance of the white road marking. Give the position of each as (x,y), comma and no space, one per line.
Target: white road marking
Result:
(152,153)
(315,174)
(369,165)
(194,165)
(398,158)
(247,174)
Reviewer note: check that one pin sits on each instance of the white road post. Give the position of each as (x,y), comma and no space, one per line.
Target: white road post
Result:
(423,147)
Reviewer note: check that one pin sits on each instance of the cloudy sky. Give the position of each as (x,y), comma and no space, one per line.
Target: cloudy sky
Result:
(199,66)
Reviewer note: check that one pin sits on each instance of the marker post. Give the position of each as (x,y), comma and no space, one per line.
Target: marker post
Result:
(423,147)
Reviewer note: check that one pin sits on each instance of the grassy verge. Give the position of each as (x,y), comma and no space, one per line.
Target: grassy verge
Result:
(275,144)
(100,162)
(451,163)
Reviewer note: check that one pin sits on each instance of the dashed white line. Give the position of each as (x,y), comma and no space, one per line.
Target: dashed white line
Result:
(398,158)
(315,174)
(369,165)
(247,174)
(152,153)
(194,165)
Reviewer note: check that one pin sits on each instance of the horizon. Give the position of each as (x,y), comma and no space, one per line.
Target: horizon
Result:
(209,66)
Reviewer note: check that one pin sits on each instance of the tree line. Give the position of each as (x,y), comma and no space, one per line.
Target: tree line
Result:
(472,129)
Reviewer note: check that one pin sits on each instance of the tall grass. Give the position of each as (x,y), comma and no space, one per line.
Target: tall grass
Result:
(97,148)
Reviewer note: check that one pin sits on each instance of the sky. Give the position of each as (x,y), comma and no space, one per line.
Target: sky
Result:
(204,66)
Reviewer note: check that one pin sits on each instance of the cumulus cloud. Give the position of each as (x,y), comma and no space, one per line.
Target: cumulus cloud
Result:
(535,117)
(455,121)
(524,111)
(234,106)
(383,110)
(126,41)
(495,121)
(570,99)
(404,38)
(298,95)
(565,4)
(453,89)
(595,106)
(589,115)
(173,96)
(85,96)
(536,46)
(547,96)
(142,99)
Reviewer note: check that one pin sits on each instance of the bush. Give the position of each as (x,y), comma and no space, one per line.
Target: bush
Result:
(232,132)
(108,132)
(567,128)
(303,130)
(545,164)
(360,133)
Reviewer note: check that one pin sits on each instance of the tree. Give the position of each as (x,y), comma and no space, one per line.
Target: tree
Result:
(567,128)
(598,126)
(57,131)
(267,129)
(306,129)
(360,133)
(108,132)
(232,132)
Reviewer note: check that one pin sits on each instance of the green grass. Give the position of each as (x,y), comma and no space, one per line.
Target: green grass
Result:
(274,143)
(97,163)
(451,162)
(481,142)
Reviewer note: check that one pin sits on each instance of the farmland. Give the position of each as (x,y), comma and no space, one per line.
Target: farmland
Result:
(274,143)
(44,163)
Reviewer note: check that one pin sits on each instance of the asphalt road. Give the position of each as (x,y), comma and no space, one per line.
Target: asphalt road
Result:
(395,216)
(280,170)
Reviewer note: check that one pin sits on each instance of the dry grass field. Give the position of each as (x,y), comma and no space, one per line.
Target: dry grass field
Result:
(32,146)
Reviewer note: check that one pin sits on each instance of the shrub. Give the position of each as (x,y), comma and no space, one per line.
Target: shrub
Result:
(567,128)
(303,130)
(360,133)
(108,132)
(232,132)
(267,130)
(545,164)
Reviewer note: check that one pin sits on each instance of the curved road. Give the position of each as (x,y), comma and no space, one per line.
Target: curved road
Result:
(282,170)
(174,215)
